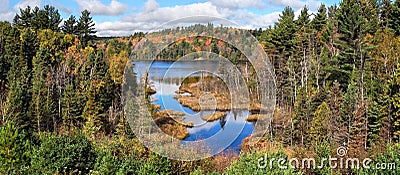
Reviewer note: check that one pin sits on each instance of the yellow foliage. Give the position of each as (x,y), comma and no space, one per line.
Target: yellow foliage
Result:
(88,50)
(68,39)
(117,66)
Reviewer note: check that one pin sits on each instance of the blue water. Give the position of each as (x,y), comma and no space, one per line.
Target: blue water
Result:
(227,132)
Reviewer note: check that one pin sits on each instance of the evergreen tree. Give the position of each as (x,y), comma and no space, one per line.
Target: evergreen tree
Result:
(28,46)
(24,19)
(350,99)
(99,96)
(86,27)
(337,124)
(70,26)
(385,10)
(394,20)
(42,104)
(5,30)
(395,102)
(53,18)
(15,149)
(18,97)
(370,11)
(72,107)
(319,130)
(320,19)
(352,31)
(282,41)
(301,118)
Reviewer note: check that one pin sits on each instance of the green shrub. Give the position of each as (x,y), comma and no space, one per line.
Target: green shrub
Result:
(155,164)
(248,164)
(14,150)
(106,163)
(64,154)
(201,172)
(385,160)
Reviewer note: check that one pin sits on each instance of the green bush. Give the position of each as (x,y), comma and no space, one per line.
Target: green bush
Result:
(14,150)
(389,157)
(65,154)
(155,164)
(106,163)
(248,164)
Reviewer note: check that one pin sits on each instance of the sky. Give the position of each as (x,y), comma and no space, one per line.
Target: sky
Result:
(125,17)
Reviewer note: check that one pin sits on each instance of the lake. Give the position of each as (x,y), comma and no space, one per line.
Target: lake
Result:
(226,133)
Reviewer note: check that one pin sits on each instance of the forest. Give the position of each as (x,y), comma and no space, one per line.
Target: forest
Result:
(337,76)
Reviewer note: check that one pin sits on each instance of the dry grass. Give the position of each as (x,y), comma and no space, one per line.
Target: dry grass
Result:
(171,123)
(213,117)
(255,117)
(215,87)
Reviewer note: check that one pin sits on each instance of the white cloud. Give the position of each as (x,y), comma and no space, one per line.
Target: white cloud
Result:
(150,6)
(25,3)
(297,4)
(97,8)
(171,13)
(238,3)
(4,4)
(7,16)
(152,17)
(5,13)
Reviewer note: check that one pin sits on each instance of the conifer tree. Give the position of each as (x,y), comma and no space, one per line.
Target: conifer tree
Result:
(24,19)
(86,27)
(395,102)
(337,124)
(319,130)
(18,97)
(386,6)
(282,41)
(394,20)
(70,26)
(42,104)
(320,19)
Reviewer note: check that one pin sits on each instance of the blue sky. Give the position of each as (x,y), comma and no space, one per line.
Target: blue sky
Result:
(124,17)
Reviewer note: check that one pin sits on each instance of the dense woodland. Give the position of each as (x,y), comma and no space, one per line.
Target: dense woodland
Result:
(337,75)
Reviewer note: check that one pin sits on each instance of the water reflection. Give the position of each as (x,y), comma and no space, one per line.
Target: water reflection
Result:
(165,80)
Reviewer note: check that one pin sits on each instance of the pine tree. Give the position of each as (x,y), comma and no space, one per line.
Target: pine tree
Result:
(18,97)
(395,102)
(72,107)
(302,57)
(320,19)
(394,21)
(348,106)
(15,149)
(352,31)
(42,104)
(24,19)
(5,29)
(92,113)
(370,12)
(319,130)
(337,124)
(28,46)
(54,18)
(386,6)
(100,95)
(301,118)
(70,26)
(383,66)
(282,43)
(86,27)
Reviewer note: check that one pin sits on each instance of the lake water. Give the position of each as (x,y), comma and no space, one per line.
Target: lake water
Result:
(165,78)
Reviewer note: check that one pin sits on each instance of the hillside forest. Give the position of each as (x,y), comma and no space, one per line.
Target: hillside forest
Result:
(337,74)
